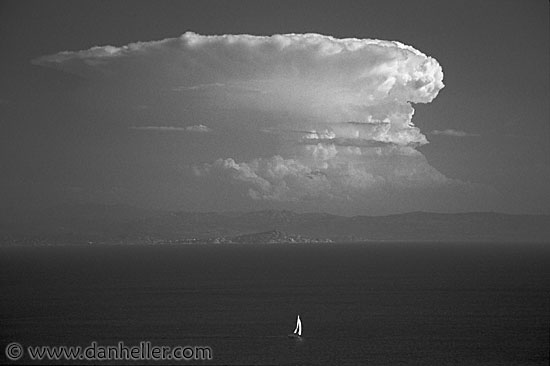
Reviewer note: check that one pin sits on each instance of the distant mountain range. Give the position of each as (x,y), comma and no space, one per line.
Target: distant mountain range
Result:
(98,224)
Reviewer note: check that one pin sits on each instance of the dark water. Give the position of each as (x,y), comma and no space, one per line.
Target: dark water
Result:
(371,304)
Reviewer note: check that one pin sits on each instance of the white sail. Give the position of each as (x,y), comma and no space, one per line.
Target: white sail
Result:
(298,329)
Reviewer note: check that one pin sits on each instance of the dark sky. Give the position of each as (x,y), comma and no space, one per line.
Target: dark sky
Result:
(73,138)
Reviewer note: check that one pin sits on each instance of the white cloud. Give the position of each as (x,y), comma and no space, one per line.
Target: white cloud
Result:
(453,133)
(195,128)
(340,109)
(310,76)
(326,172)
(159,128)
(198,128)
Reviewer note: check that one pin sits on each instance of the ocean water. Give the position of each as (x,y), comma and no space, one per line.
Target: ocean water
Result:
(360,304)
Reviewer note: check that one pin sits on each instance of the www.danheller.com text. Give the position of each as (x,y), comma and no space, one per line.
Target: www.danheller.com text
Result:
(144,351)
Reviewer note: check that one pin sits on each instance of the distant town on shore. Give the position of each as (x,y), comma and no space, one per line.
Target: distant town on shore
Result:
(102,224)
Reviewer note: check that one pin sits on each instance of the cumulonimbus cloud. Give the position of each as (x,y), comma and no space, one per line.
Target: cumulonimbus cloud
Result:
(343,107)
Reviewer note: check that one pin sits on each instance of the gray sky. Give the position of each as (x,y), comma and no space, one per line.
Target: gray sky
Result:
(312,124)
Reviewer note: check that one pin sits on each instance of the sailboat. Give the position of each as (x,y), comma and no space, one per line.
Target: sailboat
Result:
(298,330)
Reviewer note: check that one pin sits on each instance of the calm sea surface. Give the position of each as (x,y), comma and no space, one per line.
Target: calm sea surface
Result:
(360,304)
